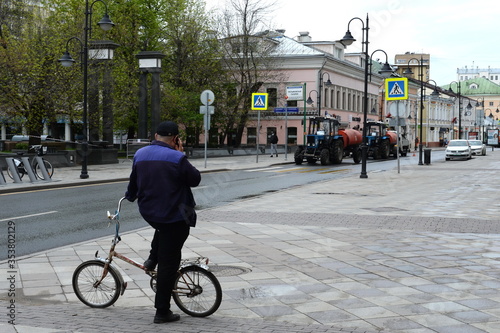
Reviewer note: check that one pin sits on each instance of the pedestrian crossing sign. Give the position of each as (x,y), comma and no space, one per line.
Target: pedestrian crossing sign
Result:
(259,101)
(396,88)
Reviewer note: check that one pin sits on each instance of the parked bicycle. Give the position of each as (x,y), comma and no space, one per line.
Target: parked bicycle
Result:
(98,284)
(21,168)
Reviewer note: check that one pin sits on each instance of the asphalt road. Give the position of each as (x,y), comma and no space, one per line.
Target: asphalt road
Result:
(60,216)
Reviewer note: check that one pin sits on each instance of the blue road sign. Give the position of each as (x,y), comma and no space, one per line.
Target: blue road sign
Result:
(396,88)
(259,101)
(290,110)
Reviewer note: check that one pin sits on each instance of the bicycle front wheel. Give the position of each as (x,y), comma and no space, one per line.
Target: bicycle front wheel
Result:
(48,167)
(20,169)
(197,291)
(92,293)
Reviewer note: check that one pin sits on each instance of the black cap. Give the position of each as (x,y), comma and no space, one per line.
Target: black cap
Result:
(167,128)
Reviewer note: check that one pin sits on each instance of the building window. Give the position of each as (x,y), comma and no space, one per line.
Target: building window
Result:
(332,93)
(343,101)
(251,135)
(291,103)
(292,135)
(272,97)
(349,101)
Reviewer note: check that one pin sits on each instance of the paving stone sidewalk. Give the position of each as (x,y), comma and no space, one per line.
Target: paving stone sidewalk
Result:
(414,252)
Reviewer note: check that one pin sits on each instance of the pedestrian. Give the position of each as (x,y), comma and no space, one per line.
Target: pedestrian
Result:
(274,144)
(416,142)
(161,181)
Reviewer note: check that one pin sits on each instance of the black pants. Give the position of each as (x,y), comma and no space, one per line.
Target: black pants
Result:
(166,249)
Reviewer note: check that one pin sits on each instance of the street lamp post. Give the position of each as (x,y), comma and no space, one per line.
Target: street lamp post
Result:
(149,62)
(480,117)
(106,24)
(347,40)
(327,83)
(309,99)
(459,91)
(408,71)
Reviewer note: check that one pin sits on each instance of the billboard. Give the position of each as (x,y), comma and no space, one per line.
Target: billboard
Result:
(493,137)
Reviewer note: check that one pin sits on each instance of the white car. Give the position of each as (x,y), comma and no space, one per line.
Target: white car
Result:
(458,149)
(478,148)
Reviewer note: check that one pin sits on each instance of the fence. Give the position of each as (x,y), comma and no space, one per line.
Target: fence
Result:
(134,145)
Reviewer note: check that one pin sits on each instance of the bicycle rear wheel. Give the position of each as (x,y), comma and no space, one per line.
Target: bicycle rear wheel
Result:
(197,291)
(48,167)
(84,281)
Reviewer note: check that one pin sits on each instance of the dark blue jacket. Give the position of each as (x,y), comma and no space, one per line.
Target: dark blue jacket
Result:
(161,181)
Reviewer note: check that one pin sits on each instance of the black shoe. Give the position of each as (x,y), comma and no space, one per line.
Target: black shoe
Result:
(168,318)
(150,265)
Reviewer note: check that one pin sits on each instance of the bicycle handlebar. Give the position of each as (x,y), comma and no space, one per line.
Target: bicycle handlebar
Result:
(116,215)
(116,218)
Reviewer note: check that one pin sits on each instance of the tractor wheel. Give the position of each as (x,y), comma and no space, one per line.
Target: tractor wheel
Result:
(324,157)
(337,152)
(356,155)
(384,149)
(299,155)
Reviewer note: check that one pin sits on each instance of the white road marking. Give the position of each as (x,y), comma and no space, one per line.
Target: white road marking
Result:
(26,216)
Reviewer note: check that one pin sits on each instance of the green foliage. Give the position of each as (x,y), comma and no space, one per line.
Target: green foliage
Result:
(34,87)
(21,146)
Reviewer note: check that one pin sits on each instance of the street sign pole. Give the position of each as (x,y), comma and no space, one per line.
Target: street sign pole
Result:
(258,134)
(286,130)
(259,102)
(207,122)
(207,98)
(398,134)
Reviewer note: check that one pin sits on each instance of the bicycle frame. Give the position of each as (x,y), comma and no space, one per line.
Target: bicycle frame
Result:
(199,261)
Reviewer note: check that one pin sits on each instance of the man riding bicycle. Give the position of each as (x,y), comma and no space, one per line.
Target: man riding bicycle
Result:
(161,181)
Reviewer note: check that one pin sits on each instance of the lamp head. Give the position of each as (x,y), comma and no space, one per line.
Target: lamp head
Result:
(408,71)
(386,70)
(309,100)
(348,39)
(66,60)
(105,23)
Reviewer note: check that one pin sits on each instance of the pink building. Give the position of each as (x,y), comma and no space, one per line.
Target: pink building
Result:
(331,79)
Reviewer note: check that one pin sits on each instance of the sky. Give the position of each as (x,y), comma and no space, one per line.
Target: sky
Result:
(456,34)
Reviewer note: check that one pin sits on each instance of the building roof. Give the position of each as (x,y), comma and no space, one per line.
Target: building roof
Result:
(290,47)
(477,86)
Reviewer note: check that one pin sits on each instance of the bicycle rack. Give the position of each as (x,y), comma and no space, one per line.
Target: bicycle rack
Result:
(2,178)
(42,167)
(13,169)
(27,166)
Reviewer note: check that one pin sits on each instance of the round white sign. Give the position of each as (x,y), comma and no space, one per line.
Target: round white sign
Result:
(207,97)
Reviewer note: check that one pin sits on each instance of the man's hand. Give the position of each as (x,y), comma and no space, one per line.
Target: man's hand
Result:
(178,145)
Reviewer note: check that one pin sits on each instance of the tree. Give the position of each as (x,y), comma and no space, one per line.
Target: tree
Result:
(29,79)
(248,58)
